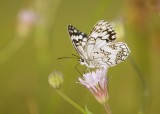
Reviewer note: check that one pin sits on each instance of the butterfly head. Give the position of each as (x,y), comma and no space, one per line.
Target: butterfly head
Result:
(87,63)
(82,61)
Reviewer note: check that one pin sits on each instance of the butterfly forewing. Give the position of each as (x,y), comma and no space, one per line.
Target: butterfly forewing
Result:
(101,34)
(78,38)
(102,30)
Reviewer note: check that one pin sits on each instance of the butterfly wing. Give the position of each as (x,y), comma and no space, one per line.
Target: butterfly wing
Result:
(101,34)
(110,54)
(79,40)
(98,48)
(103,30)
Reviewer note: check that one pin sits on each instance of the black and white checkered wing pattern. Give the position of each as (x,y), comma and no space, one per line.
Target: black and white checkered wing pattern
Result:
(98,49)
(102,50)
(79,40)
(102,30)
(101,34)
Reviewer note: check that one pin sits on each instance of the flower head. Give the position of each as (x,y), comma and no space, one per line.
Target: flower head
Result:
(26,20)
(55,79)
(96,82)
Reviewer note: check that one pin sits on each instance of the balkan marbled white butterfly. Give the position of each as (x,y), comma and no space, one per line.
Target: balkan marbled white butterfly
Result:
(98,49)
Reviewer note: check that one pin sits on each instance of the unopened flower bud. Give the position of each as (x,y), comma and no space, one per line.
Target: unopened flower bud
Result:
(55,79)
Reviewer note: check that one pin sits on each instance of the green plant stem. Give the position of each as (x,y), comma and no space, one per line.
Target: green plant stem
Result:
(106,106)
(71,102)
(144,85)
(12,47)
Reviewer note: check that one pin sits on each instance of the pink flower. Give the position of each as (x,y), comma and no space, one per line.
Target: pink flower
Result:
(96,82)
(27,17)
(26,20)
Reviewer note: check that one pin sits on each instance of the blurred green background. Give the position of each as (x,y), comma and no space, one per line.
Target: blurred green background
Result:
(34,34)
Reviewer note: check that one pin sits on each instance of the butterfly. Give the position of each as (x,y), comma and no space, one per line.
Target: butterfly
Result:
(98,49)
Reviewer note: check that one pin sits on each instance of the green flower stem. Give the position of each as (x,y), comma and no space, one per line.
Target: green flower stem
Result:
(12,47)
(71,102)
(106,106)
(140,75)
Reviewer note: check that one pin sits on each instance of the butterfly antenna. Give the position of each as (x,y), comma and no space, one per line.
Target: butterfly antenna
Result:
(78,70)
(66,58)
(75,55)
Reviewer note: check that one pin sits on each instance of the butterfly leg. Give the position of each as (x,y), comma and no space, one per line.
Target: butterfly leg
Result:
(87,70)
(78,69)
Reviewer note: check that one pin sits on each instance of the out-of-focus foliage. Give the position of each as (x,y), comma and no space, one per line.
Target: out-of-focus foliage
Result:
(29,49)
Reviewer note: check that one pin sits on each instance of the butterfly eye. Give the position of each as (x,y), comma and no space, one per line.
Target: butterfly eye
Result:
(82,61)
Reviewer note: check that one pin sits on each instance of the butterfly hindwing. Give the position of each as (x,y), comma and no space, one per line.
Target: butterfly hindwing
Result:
(110,54)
